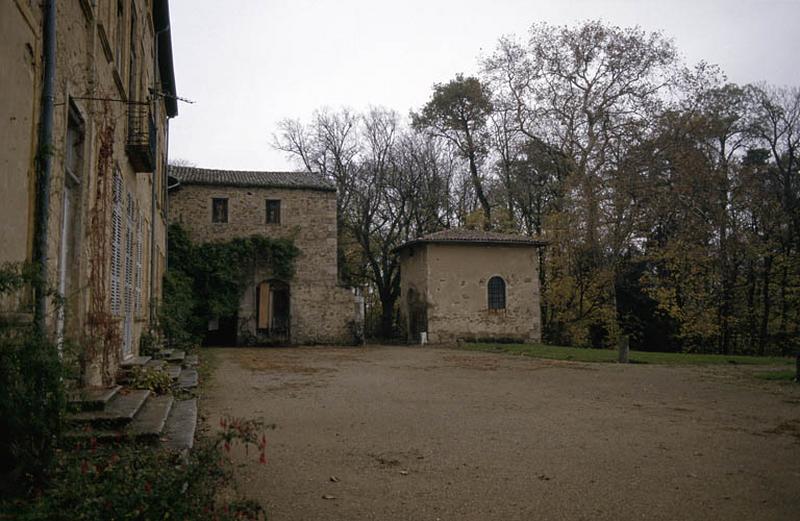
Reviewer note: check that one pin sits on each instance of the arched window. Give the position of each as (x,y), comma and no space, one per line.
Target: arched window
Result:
(497,293)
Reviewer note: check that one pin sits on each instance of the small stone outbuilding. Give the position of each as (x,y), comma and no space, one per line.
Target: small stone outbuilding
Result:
(312,307)
(471,285)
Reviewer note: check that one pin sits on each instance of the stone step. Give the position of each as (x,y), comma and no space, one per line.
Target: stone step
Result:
(117,413)
(174,371)
(148,425)
(188,379)
(164,354)
(156,364)
(135,361)
(91,399)
(191,361)
(100,436)
(179,431)
(176,356)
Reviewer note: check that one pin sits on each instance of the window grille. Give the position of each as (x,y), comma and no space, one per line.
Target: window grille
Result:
(219,210)
(273,211)
(497,293)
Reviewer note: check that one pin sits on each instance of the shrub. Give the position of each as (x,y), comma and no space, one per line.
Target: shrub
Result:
(150,343)
(32,397)
(134,482)
(139,482)
(178,313)
(156,380)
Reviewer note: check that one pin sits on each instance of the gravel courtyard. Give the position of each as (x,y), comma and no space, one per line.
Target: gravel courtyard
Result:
(436,433)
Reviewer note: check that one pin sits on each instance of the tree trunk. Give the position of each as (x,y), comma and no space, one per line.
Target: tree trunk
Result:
(751,305)
(476,182)
(762,341)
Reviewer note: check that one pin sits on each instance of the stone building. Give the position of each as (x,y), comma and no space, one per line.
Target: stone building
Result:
(312,308)
(113,92)
(470,285)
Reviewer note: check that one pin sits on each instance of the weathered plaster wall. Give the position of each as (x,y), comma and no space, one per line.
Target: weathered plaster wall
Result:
(413,290)
(87,71)
(19,55)
(456,293)
(321,310)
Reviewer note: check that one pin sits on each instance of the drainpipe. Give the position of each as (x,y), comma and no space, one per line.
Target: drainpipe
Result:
(44,163)
(153,213)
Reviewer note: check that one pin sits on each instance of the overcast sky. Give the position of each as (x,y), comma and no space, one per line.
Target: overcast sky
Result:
(250,63)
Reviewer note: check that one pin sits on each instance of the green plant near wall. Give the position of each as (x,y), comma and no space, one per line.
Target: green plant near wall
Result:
(208,280)
(156,380)
(32,396)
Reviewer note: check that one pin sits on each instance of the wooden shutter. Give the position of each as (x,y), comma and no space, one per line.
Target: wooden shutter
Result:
(116,243)
(263,305)
(129,255)
(139,228)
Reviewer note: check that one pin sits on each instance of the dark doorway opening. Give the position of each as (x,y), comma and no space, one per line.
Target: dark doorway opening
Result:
(222,332)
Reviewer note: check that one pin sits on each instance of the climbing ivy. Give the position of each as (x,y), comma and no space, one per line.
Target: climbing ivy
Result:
(207,280)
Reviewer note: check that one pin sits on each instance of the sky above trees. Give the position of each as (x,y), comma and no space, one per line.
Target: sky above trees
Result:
(250,64)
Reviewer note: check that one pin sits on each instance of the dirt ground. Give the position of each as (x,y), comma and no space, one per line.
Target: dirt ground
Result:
(442,434)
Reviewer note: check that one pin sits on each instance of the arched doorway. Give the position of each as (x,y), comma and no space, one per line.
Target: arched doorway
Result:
(273,306)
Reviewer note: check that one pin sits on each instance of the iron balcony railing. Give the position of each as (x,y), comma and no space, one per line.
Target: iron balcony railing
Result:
(141,143)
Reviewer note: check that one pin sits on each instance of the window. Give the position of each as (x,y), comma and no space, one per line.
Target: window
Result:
(219,210)
(120,35)
(133,95)
(74,149)
(69,255)
(273,211)
(497,293)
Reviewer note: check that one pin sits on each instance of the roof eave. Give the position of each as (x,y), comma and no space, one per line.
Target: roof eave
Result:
(256,185)
(166,66)
(473,242)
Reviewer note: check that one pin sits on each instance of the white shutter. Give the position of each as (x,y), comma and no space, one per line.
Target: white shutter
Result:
(129,255)
(139,228)
(116,243)
(127,339)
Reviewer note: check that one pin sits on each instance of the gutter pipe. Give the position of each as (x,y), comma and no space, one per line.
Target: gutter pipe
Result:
(155,187)
(44,164)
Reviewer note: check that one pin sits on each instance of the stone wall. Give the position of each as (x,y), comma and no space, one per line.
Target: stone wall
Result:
(456,277)
(88,71)
(413,291)
(321,310)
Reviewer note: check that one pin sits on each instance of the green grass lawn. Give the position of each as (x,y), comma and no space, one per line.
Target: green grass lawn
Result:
(610,355)
(776,376)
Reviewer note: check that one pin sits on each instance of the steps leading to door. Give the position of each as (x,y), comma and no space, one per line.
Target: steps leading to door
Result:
(119,414)
(181,425)
(91,399)
(116,413)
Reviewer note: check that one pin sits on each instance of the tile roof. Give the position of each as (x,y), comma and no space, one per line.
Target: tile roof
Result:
(189,175)
(465,236)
